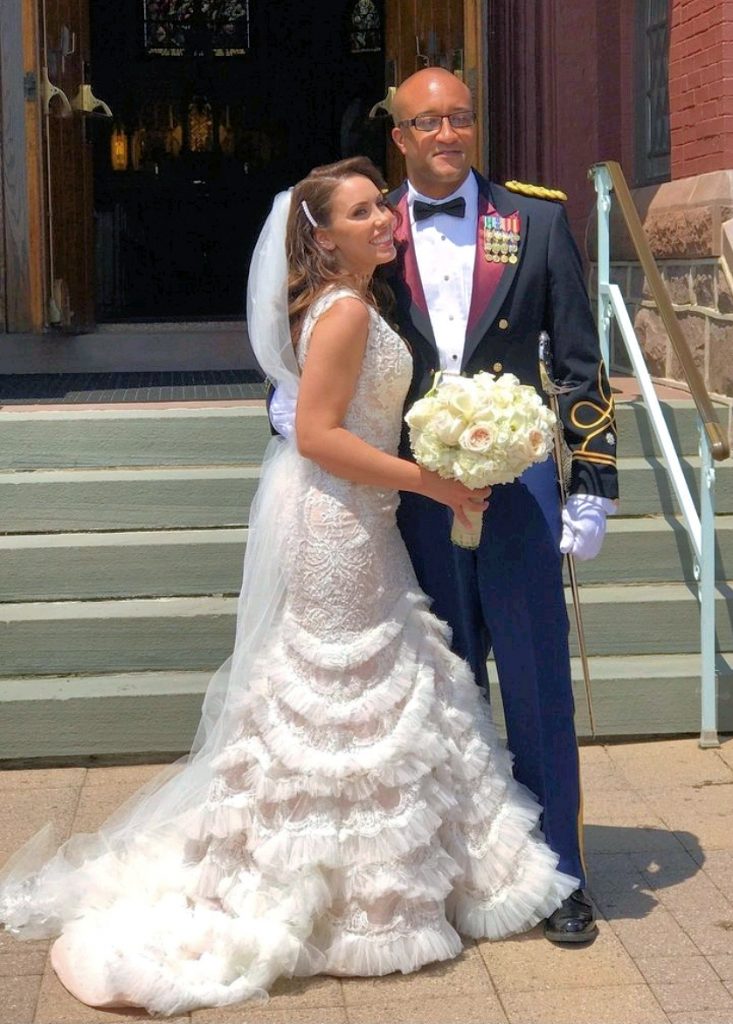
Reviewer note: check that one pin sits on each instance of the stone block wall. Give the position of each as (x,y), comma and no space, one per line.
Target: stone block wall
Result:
(702,296)
(689,225)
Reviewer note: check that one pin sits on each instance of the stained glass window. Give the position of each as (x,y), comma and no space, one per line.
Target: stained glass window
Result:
(174,28)
(366,28)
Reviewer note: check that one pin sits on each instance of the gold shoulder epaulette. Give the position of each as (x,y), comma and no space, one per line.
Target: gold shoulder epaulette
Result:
(536,191)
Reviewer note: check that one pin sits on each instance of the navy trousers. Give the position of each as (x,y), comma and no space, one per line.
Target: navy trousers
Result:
(508,596)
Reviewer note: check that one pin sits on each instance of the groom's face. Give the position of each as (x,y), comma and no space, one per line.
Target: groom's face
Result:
(437,161)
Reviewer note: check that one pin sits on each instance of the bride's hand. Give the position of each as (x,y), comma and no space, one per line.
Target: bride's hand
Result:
(455,495)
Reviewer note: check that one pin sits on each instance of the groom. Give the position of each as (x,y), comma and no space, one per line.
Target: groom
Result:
(480,272)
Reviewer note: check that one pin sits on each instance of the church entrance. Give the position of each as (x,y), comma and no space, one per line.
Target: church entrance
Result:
(215,108)
(170,124)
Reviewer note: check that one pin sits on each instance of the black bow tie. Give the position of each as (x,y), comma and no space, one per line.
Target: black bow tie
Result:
(453,207)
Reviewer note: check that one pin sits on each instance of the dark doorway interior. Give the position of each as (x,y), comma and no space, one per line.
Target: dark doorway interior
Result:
(207,137)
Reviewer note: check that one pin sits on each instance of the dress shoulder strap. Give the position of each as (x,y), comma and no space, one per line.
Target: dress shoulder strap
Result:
(323,303)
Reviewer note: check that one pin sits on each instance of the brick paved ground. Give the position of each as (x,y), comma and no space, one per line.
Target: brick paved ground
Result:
(659,836)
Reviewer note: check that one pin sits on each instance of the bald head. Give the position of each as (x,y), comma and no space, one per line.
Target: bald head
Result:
(426,86)
(438,161)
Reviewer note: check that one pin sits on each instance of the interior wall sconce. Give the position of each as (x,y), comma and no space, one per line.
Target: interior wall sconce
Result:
(200,126)
(119,148)
(174,134)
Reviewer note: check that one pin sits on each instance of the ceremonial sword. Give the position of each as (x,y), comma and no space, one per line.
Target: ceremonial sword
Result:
(553,389)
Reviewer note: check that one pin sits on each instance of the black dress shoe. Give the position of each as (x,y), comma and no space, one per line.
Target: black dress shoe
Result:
(573,921)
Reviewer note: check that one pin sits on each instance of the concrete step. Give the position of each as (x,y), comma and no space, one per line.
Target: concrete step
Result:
(152,563)
(136,635)
(641,695)
(196,633)
(116,436)
(636,437)
(659,618)
(72,500)
(119,436)
(63,500)
(645,487)
(653,549)
(179,563)
(142,713)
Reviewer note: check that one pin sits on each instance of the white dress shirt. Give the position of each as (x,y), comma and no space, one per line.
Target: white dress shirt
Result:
(445,249)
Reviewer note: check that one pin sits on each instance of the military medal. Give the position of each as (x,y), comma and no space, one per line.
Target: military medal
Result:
(501,238)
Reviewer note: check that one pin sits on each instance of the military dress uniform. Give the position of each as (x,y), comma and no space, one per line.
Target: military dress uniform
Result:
(507,596)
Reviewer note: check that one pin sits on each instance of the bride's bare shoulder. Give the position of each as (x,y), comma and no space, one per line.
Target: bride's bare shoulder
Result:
(345,312)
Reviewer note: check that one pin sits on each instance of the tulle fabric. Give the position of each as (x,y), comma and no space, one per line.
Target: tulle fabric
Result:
(346,808)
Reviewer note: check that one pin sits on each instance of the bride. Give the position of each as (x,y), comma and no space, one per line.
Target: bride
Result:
(347,808)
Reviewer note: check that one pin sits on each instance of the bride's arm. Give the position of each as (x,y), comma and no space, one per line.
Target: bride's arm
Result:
(330,373)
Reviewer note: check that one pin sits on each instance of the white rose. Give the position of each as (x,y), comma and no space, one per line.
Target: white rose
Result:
(457,399)
(420,414)
(447,427)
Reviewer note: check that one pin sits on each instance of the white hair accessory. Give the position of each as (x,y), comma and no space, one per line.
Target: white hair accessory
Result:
(308,214)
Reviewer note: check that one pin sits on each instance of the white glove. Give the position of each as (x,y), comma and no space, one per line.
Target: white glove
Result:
(584,525)
(282,410)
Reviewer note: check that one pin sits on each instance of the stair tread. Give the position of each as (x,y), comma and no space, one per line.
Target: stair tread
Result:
(118,608)
(137,473)
(101,685)
(63,687)
(117,538)
(253,409)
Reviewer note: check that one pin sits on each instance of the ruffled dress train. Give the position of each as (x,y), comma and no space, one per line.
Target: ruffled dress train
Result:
(349,809)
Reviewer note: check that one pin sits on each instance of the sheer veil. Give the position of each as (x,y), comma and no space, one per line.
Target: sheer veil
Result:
(42,884)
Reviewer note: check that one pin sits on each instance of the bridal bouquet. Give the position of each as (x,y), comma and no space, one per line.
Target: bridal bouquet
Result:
(481,430)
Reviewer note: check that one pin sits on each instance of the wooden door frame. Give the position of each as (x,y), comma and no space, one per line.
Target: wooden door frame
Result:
(476,72)
(23,242)
(400,64)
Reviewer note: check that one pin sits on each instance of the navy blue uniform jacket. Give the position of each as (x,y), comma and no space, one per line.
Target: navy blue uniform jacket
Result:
(511,304)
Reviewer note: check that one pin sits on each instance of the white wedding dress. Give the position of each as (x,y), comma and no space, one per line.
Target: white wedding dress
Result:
(356,811)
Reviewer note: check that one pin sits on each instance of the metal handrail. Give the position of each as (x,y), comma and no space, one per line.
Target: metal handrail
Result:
(716,437)
(713,445)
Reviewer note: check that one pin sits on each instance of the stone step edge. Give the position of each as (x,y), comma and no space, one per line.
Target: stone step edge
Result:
(246,470)
(243,408)
(208,605)
(236,535)
(130,684)
(253,409)
(616,524)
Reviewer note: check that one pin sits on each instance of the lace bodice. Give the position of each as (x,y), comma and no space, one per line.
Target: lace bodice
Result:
(375,413)
(345,549)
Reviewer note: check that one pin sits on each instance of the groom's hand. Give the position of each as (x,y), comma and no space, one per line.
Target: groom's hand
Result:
(584,525)
(282,410)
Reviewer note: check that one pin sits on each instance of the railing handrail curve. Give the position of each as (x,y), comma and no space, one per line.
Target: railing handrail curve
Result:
(714,433)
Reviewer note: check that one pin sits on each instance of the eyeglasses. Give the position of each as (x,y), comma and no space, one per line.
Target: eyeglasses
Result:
(433,122)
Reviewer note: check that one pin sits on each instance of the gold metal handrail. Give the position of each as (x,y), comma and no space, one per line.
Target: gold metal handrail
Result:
(716,437)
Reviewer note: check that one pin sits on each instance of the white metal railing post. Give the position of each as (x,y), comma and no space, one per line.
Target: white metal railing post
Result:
(700,528)
(706,590)
(603,186)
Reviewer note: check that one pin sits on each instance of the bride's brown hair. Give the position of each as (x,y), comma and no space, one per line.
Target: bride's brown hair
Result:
(311,268)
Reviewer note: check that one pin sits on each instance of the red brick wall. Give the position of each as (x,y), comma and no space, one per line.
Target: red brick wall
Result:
(701,86)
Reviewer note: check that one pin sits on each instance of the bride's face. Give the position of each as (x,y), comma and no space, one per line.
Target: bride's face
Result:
(360,231)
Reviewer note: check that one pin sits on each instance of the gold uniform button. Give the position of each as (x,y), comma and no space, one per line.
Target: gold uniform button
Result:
(503,324)
(497,367)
